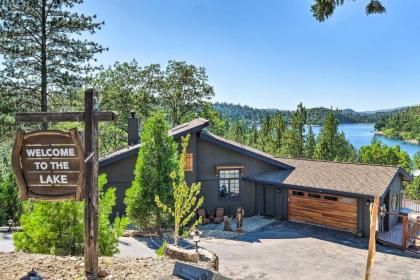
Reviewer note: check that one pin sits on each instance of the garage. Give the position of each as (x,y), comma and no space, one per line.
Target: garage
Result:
(339,212)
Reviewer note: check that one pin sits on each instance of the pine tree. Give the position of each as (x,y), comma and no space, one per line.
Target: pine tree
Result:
(253,139)
(332,145)
(310,144)
(326,146)
(293,145)
(187,199)
(238,132)
(279,128)
(265,137)
(42,57)
(156,160)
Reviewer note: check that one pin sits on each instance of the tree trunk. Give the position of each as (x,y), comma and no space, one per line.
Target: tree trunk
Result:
(44,100)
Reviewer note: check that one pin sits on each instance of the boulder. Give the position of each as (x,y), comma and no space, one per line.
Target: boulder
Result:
(181,254)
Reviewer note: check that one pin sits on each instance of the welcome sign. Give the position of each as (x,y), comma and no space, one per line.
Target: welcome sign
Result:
(49,164)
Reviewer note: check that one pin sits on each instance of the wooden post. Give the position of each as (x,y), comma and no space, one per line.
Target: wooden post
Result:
(91,247)
(372,238)
(404,233)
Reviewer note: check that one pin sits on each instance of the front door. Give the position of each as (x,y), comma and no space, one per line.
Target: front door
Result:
(269,198)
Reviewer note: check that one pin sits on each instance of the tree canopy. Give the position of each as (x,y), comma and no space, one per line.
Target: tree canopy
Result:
(323,9)
(44,56)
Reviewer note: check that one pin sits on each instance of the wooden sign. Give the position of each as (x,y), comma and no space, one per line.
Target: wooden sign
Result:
(49,164)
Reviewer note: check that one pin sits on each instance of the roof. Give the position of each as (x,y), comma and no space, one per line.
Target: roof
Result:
(189,127)
(356,179)
(243,149)
(119,155)
(176,132)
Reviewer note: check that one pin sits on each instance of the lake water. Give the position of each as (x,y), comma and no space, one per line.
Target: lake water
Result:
(362,134)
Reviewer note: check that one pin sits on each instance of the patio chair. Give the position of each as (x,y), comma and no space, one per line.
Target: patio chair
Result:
(203,215)
(219,215)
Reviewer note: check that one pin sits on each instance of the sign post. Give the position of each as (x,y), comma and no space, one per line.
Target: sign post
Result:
(55,165)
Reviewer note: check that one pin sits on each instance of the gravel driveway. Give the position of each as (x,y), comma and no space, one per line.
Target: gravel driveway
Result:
(288,250)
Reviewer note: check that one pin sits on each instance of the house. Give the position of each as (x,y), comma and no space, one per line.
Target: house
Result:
(232,175)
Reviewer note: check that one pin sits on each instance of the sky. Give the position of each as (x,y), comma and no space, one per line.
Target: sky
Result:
(273,53)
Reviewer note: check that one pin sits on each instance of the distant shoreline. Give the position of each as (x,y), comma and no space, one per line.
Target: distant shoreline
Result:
(410,141)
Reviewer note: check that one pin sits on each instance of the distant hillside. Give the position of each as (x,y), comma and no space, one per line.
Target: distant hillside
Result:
(404,124)
(316,116)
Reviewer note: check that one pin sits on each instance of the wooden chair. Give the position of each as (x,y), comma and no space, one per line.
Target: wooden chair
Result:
(203,215)
(219,215)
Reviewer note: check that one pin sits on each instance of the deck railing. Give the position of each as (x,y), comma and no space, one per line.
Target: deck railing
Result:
(413,205)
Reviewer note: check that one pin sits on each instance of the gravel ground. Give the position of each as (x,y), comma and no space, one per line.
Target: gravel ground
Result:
(15,265)
(250,224)
(288,250)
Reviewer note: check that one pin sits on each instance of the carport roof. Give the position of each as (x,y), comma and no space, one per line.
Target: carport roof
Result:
(356,179)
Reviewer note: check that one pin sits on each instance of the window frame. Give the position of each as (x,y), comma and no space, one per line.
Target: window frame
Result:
(189,159)
(235,181)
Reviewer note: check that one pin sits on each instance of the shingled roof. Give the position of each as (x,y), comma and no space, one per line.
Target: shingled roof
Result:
(189,127)
(360,179)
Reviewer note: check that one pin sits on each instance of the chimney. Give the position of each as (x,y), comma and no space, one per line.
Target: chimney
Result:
(133,129)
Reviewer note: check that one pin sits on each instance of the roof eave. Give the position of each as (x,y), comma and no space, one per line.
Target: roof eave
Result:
(211,139)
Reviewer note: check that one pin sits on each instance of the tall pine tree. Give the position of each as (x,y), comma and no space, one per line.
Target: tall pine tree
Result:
(44,59)
(156,160)
(293,145)
(279,128)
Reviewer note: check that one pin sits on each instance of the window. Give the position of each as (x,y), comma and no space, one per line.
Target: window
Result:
(229,183)
(394,201)
(298,193)
(188,162)
(314,195)
(329,197)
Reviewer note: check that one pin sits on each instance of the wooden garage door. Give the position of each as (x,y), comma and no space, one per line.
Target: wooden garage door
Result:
(323,209)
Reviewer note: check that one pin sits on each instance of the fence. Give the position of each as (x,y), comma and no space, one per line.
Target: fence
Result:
(413,205)
(398,231)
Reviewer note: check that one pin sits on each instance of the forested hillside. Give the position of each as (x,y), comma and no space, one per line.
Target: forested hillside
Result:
(403,125)
(315,116)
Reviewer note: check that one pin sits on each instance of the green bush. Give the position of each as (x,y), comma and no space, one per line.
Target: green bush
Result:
(161,250)
(10,203)
(58,227)
(412,190)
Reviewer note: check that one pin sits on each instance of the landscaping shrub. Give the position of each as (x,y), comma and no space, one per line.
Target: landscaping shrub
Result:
(10,203)
(58,227)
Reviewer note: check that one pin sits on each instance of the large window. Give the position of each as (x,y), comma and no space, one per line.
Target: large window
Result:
(229,183)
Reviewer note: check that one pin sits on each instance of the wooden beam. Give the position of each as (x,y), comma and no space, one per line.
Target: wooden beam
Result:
(16,164)
(91,248)
(372,237)
(63,117)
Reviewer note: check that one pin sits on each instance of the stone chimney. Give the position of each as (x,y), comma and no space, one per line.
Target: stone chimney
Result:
(133,129)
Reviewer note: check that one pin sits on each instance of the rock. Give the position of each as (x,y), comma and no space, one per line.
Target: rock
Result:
(181,254)
(102,273)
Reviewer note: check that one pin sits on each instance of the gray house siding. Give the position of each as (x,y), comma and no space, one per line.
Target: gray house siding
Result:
(212,155)
(120,175)
(395,187)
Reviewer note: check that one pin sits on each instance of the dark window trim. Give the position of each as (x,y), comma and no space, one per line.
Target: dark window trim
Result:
(314,196)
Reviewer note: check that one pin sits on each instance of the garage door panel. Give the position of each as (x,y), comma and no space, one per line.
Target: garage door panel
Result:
(341,214)
(309,203)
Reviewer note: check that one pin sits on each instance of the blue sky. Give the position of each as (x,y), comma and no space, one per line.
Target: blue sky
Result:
(273,53)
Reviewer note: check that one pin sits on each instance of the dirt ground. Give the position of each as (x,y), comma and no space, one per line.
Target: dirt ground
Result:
(15,265)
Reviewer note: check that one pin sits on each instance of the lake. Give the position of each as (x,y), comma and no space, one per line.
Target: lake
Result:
(362,134)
